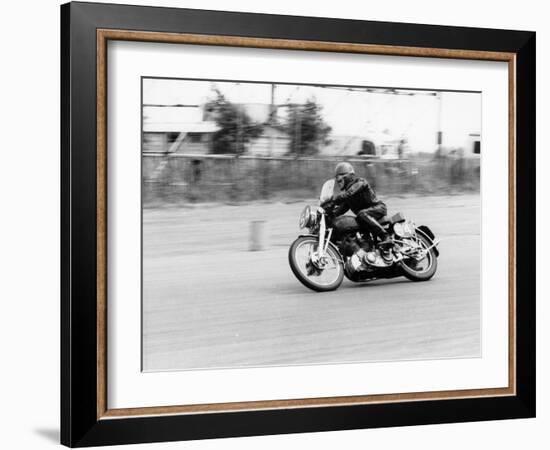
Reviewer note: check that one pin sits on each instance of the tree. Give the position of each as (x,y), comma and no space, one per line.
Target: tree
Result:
(236,126)
(307,129)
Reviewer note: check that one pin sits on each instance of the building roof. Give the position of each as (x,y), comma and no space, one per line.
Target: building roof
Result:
(176,119)
(180,127)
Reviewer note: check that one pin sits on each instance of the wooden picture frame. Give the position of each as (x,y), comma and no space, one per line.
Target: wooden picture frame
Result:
(86,418)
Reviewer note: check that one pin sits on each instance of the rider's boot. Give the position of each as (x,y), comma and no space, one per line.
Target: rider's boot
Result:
(385,246)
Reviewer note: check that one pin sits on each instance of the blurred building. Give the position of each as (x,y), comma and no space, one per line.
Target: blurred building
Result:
(445,123)
(176,129)
(370,144)
(272,142)
(472,147)
(347,146)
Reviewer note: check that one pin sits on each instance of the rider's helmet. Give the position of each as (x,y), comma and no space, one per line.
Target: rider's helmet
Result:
(343,173)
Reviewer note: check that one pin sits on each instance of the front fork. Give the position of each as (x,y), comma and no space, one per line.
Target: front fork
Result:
(319,258)
(322,231)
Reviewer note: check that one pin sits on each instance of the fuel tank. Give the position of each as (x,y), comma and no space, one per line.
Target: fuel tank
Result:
(344,225)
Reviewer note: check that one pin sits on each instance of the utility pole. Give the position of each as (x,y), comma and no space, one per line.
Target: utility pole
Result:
(439,132)
(240,140)
(298,130)
(271,120)
(272,103)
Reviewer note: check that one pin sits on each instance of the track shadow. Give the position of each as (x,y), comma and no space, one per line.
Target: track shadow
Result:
(380,282)
(292,286)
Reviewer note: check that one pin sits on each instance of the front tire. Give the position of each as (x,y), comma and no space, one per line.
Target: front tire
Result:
(415,271)
(316,279)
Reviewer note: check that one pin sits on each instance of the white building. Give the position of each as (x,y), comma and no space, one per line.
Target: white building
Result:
(176,129)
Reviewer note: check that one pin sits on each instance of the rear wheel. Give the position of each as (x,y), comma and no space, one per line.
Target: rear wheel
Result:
(420,269)
(320,274)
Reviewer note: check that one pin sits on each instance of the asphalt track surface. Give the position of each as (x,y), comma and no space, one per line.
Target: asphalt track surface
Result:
(209,302)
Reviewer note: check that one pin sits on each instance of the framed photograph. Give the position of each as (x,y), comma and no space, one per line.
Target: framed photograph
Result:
(277,224)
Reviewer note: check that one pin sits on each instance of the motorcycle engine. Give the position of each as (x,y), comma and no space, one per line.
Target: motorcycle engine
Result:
(361,257)
(349,246)
(365,261)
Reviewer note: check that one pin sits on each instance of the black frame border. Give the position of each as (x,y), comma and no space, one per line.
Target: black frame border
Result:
(79,423)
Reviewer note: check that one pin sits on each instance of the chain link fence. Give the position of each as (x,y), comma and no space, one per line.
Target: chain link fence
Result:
(180,179)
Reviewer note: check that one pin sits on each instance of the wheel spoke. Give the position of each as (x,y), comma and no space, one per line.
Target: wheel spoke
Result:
(316,273)
(423,264)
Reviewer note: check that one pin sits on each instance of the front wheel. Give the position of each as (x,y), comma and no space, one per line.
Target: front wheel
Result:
(424,268)
(320,274)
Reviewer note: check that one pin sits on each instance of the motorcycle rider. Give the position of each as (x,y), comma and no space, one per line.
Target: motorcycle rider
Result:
(357,194)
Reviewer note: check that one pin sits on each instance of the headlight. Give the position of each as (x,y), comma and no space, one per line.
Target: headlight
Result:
(307,218)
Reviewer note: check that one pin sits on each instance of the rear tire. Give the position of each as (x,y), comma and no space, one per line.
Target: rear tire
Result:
(426,273)
(309,281)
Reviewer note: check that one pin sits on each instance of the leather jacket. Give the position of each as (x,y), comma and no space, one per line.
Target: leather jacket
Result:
(357,195)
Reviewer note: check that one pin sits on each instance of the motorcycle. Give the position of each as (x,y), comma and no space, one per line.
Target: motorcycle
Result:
(335,247)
